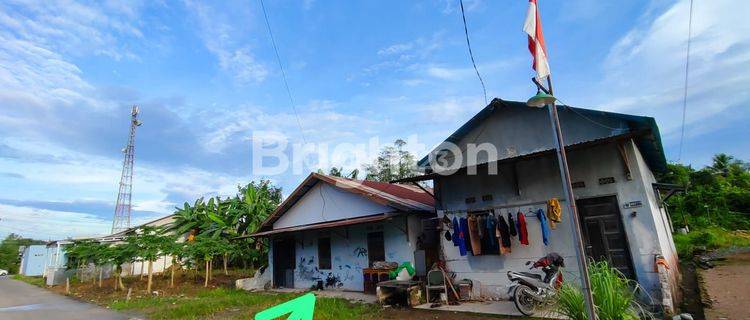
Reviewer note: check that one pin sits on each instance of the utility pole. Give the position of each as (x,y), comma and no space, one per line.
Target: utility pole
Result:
(123,206)
(548,100)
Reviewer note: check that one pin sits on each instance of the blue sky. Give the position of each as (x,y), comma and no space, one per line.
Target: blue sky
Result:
(206,78)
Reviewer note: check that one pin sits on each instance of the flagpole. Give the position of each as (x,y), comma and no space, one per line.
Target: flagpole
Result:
(562,160)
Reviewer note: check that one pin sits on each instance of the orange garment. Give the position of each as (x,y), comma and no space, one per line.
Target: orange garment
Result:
(554,212)
(476,241)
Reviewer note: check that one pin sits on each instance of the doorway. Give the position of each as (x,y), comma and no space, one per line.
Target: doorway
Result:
(284,256)
(375,247)
(604,234)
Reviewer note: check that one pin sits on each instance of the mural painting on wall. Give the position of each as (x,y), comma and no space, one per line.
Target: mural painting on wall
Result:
(307,270)
(360,252)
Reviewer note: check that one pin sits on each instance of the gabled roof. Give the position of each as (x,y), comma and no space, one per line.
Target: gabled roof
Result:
(401,197)
(647,137)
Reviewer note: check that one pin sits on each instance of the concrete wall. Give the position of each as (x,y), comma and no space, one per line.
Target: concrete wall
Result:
(34,260)
(538,180)
(326,203)
(349,252)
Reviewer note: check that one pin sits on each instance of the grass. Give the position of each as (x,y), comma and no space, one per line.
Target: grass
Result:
(236,304)
(37,281)
(613,296)
(710,238)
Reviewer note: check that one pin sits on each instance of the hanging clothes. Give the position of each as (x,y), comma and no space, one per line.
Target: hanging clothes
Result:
(554,212)
(545,227)
(456,231)
(489,232)
(463,234)
(476,242)
(523,235)
(503,232)
(480,227)
(512,225)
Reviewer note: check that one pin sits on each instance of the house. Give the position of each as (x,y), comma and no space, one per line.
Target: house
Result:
(56,269)
(613,159)
(141,267)
(329,231)
(33,260)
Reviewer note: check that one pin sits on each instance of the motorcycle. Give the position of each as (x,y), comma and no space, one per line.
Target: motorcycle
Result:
(531,291)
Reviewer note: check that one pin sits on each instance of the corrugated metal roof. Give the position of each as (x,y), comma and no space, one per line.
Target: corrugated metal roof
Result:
(404,198)
(649,143)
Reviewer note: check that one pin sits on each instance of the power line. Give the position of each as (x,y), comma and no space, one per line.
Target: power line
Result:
(687,70)
(283,74)
(471,54)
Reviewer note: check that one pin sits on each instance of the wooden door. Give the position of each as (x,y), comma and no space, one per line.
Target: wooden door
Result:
(284,262)
(604,234)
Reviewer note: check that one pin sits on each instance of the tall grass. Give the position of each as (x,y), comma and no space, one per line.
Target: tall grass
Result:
(613,295)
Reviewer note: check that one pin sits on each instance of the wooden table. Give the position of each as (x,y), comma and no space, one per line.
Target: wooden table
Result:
(407,292)
(373,276)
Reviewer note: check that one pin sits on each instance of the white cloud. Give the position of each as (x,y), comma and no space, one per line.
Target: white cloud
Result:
(223,40)
(645,69)
(50,224)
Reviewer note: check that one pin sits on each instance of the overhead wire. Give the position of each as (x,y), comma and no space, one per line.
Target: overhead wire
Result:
(471,54)
(283,74)
(687,72)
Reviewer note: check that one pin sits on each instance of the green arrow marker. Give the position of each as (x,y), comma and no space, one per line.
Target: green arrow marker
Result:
(301,308)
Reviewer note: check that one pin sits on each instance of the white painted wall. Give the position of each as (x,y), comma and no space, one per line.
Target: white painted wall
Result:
(539,180)
(347,260)
(326,203)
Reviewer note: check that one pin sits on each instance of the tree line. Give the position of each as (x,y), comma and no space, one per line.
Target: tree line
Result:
(715,195)
(201,233)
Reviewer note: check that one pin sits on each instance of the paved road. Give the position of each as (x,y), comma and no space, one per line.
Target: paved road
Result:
(19,300)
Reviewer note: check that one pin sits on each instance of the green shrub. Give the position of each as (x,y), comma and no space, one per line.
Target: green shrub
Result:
(613,295)
(710,238)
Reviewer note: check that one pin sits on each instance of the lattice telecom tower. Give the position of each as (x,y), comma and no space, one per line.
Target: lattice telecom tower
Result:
(122,208)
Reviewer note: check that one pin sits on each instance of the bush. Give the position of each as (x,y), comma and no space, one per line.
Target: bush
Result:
(613,295)
(710,238)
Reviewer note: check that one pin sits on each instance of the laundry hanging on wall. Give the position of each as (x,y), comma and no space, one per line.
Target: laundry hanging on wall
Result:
(545,227)
(523,235)
(476,241)
(490,239)
(512,225)
(503,233)
(554,212)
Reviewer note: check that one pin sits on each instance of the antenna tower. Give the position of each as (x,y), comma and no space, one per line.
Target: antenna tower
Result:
(121,220)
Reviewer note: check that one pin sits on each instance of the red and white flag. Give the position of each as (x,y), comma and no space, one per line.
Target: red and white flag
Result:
(533,27)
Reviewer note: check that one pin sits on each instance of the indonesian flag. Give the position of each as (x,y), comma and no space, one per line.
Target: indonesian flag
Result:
(533,27)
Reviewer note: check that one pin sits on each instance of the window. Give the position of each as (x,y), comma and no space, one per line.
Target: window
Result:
(375,247)
(324,253)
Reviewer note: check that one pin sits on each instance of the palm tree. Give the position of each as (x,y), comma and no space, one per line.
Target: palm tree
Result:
(721,164)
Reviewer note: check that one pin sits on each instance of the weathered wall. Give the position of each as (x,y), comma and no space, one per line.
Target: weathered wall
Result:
(349,252)
(325,203)
(538,180)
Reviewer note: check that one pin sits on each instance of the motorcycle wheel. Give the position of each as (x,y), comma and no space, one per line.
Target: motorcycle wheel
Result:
(523,300)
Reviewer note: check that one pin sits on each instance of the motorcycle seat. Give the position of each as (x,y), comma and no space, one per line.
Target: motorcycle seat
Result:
(532,275)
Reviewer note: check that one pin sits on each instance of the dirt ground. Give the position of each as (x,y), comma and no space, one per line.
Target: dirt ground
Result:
(728,288)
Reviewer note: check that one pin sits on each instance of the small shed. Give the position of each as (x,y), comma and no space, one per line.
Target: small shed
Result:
(331,231)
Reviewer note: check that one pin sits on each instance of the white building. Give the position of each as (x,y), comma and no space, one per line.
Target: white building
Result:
(331,230)
(612,158)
